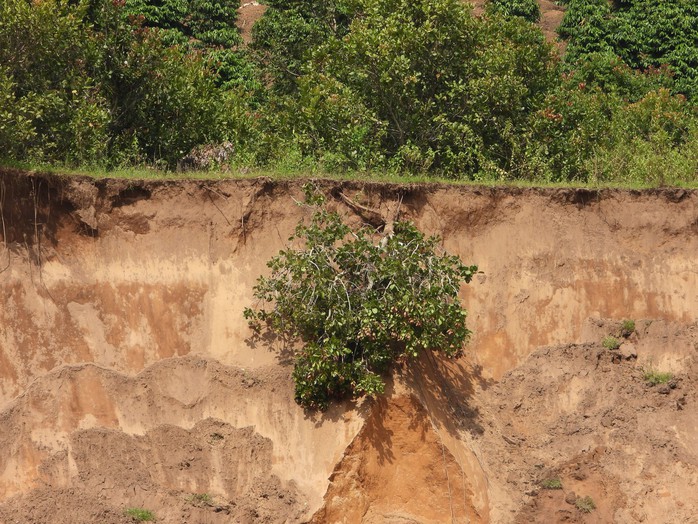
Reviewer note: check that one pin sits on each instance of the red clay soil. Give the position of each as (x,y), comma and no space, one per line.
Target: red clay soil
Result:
(129,379)
(248,13)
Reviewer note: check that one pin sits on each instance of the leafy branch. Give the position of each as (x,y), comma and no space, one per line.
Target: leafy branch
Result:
(359,305)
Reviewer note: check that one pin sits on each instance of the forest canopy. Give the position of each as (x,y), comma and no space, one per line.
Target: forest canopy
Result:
(385,86)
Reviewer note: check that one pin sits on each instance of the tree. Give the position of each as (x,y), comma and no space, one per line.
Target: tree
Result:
(50,107)
(450,90)
(359,304)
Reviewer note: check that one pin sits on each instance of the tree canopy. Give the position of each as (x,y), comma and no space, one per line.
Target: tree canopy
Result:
(415,87)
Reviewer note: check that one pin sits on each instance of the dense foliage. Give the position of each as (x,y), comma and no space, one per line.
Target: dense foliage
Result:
(84,83)
(434,88)
(527,9)
(201,23)
(419,86)
(204,26)
(291,30)
(645,34)
(358,304)
(607,122)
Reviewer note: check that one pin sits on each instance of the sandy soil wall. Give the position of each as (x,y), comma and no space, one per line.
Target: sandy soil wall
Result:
(121,318)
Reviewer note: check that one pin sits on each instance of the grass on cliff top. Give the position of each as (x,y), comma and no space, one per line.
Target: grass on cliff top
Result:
(291,173)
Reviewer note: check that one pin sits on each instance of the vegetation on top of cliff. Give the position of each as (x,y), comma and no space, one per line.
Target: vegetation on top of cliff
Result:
(527,9)
(644,34)
(419,87)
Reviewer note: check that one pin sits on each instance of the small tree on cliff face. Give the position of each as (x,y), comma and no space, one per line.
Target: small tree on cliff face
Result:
(358,306)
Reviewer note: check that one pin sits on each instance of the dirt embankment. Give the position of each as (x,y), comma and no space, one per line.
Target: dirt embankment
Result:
(128,378)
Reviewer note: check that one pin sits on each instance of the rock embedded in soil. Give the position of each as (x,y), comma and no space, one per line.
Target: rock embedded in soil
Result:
(628,351)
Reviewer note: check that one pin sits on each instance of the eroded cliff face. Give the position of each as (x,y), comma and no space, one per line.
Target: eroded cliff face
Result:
(128,377)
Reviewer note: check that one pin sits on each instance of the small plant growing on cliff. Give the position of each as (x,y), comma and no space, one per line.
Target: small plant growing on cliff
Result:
(553,483)
(359,304)
(610,343)
(200,499)
(585,504)
(627,328)
(654,377)
(140,514)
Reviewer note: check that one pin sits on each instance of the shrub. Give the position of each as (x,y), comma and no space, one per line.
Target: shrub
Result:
(200,23)
(81,82)
(164,100)
(333,124)
(627,328)
(526,9)
(654,377)
(643,33)
(583,24)
(585,504)
(140,514)
(359,306)
(16,129)
(51,109)
(615,127)
(573,123)
(553,483)
(648,34)
(655,161)
(204,26)
(285,38)
(167,102)
(613,76)
(200,499)
(610,342)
